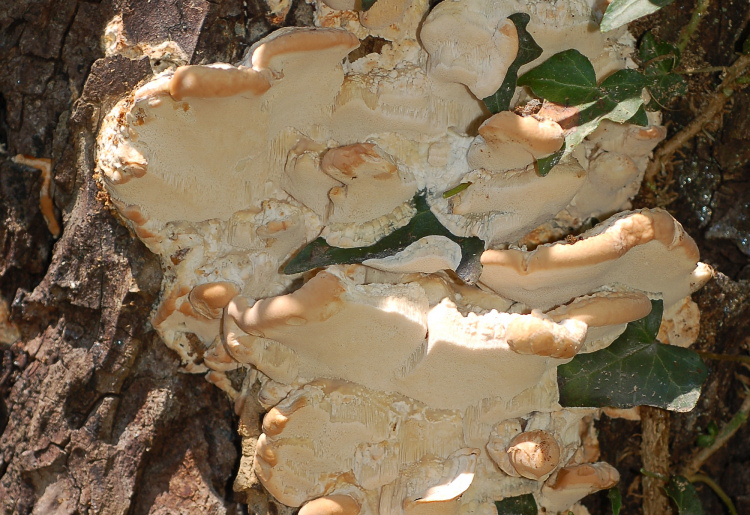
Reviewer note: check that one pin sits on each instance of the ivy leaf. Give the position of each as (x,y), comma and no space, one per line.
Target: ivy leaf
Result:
(366,4)
(568,78)
(619,100)
(621,12)
(664,88)
(634,370)
(707,439)
(545,164)
(623,85)
(424,223)
(565,78)
(658,57)
(683,493)
(528,50)
(659,61)
(455,191)
(521,505)
(639,118)
(615,499)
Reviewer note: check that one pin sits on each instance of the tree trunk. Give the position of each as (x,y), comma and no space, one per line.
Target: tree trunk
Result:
(95,415)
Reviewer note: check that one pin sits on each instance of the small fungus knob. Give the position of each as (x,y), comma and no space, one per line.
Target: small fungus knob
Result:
(534,454)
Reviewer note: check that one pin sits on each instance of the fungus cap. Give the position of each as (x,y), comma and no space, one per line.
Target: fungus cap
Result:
(331,505)
(534,454)
(464,49)
(645,250)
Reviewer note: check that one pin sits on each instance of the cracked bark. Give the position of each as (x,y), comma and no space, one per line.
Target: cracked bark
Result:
(95,416)
(655,452)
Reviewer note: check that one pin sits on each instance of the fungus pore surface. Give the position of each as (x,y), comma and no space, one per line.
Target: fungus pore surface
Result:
(392,386)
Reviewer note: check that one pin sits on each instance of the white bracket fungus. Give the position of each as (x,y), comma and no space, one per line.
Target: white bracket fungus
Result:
(393,387)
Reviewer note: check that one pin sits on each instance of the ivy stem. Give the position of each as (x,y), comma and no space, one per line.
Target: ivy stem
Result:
(654,475)
(695,20)
(691,468)
(714,107)
(713,485)
(723,357)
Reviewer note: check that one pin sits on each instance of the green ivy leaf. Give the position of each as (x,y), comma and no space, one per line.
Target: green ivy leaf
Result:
(639,118)
(366,4)
(621,12)
(424,223)
(545,164)
(683,493)
(709,437)
(604,108)
(568,78)
(634,370)
(615,499)
(623,85)
(619,99)
(659,61)
(528,50)
(521,505)
(664,88)
(565,78)
(658,57)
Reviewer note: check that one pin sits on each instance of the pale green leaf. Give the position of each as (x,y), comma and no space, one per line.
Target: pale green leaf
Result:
(455,191)
(621,12)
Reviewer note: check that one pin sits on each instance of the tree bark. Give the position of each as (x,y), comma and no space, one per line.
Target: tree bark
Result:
(96,416)
(655,453)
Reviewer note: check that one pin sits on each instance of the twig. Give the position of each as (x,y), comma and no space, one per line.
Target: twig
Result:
(722,94)
(689,29)
(654,475)
(713,485)
(723,357)
(707,69)
(727,432)
(655,459)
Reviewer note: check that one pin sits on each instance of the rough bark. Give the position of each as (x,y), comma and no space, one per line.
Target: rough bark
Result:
(655,453)
(95,415)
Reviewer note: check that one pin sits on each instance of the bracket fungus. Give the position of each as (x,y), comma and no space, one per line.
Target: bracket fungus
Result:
(395,385)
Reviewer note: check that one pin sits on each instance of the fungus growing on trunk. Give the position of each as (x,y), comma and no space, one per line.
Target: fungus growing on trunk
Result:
(394,383)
